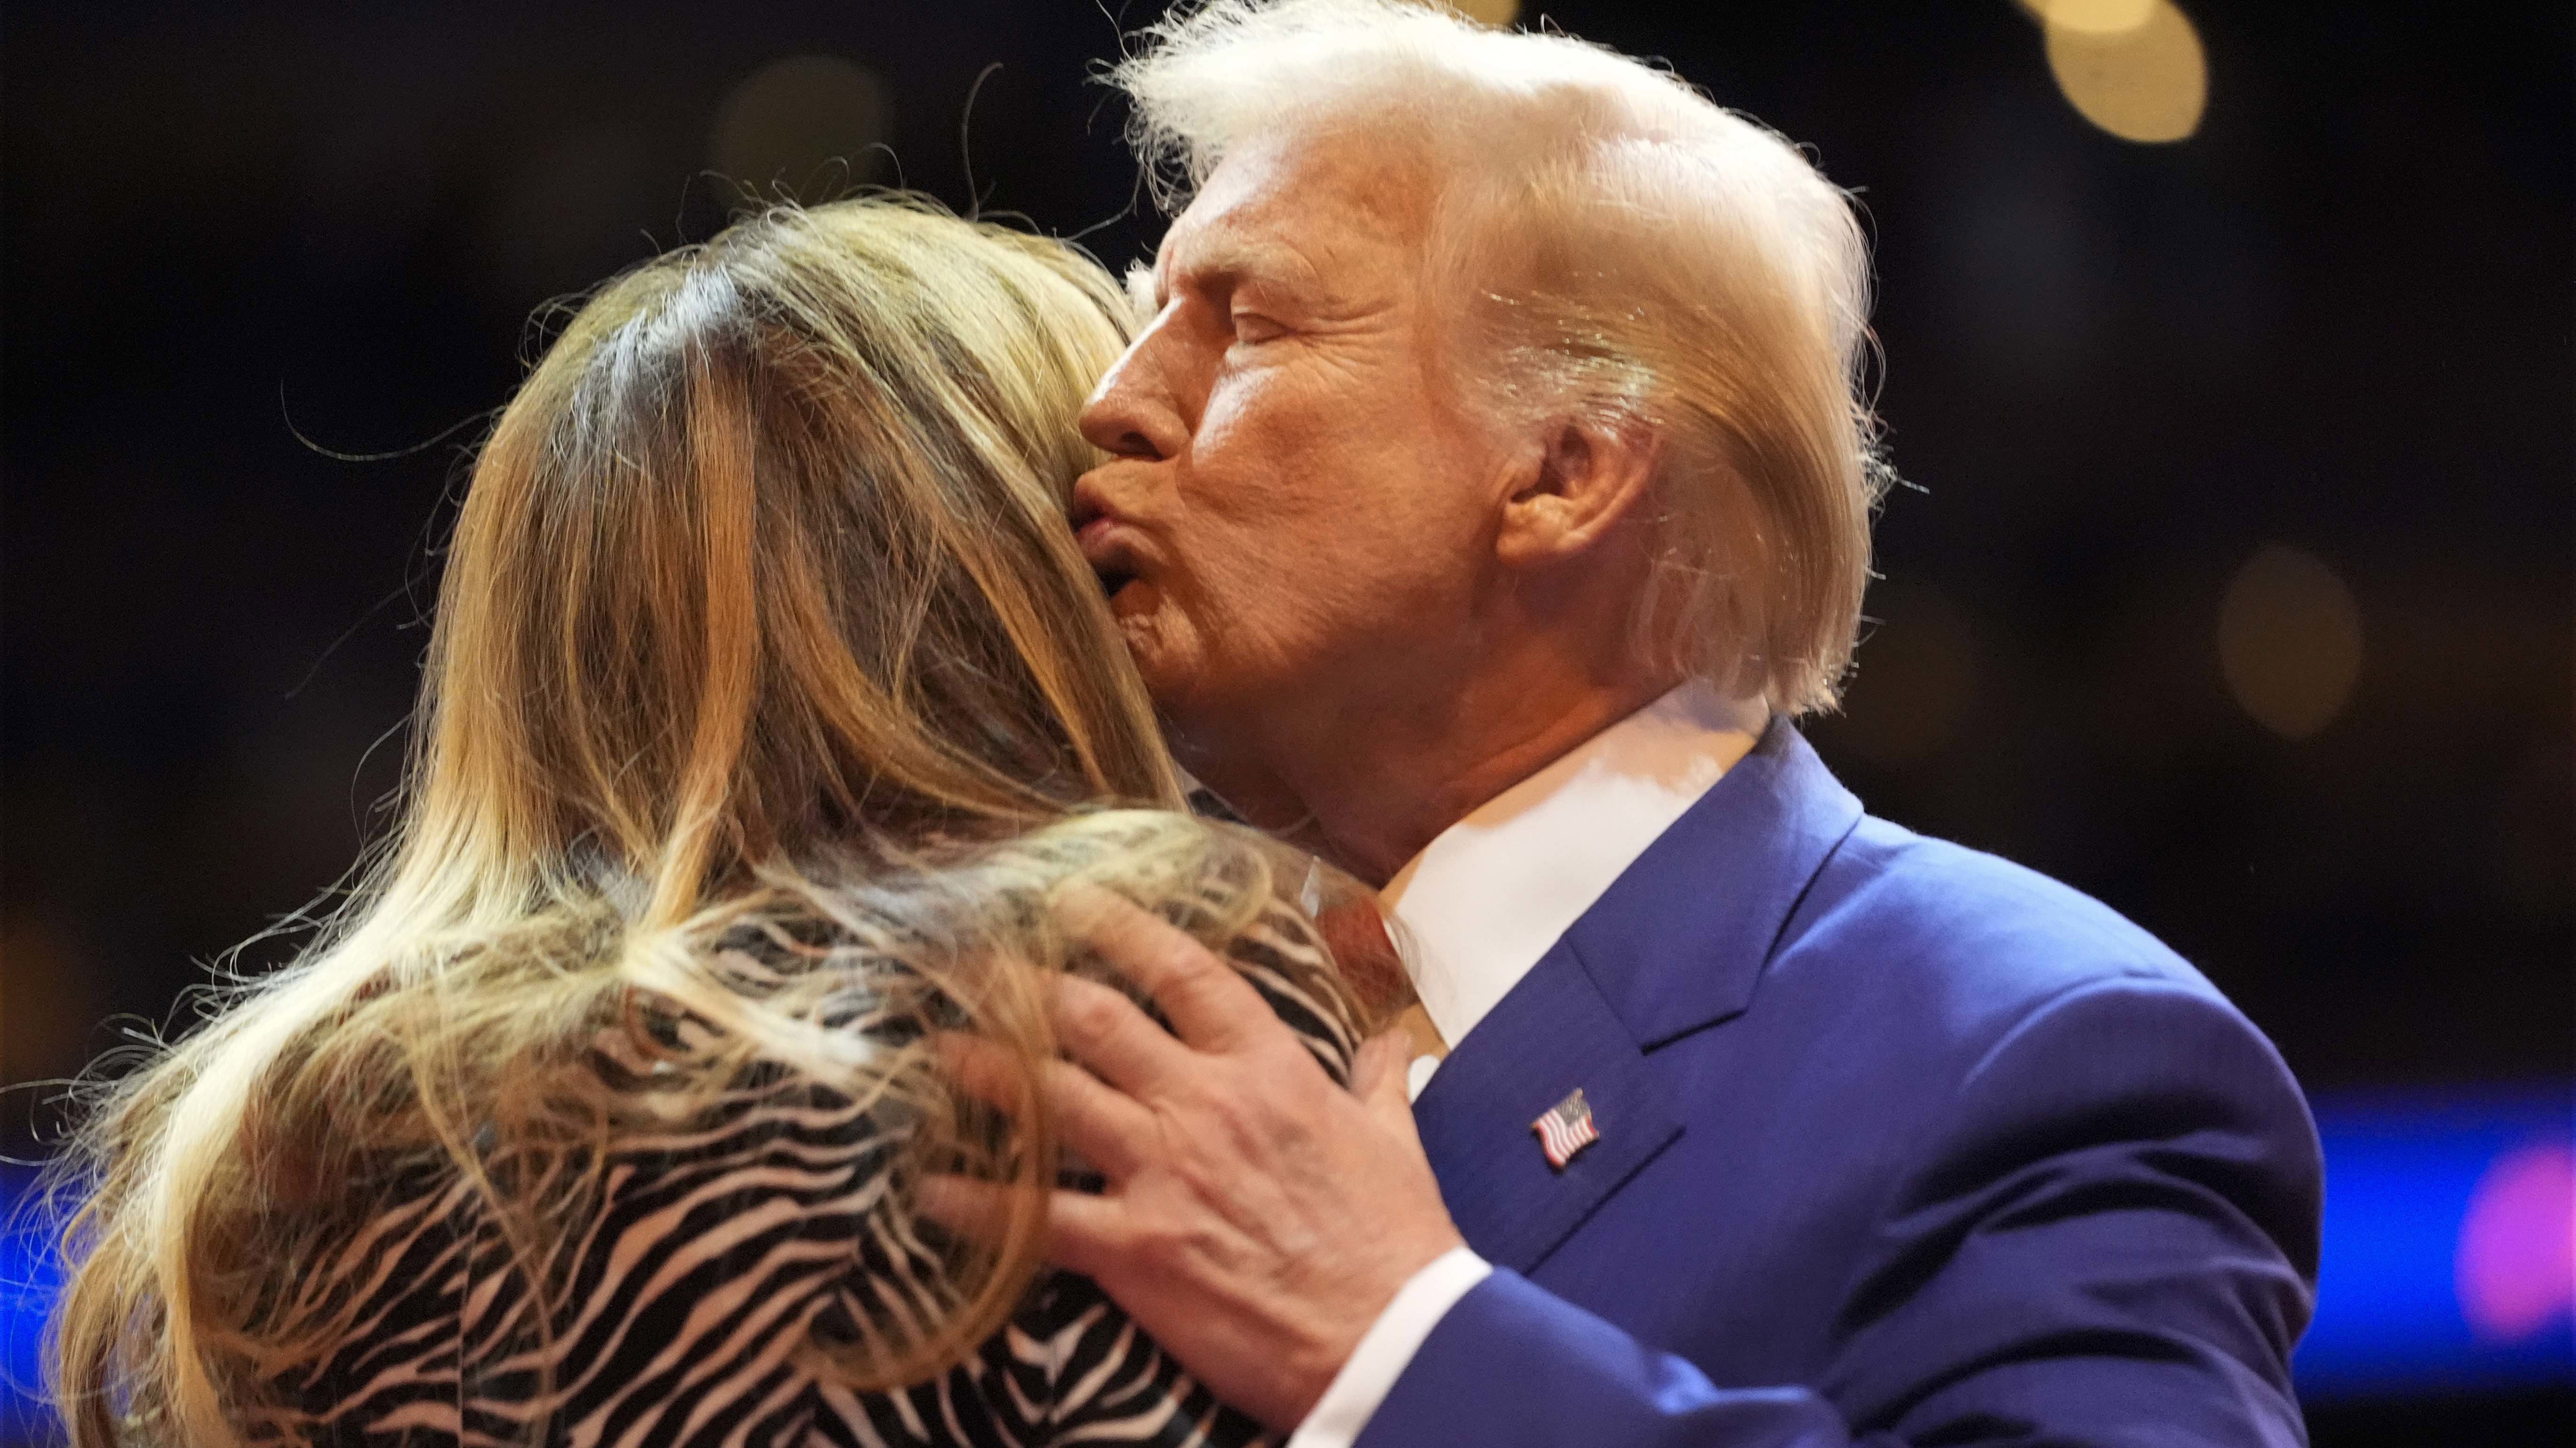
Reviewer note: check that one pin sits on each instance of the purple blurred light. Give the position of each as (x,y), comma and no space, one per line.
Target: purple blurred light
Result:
(2516,1268)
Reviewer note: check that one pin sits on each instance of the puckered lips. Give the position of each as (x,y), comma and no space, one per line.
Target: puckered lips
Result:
(1114,549)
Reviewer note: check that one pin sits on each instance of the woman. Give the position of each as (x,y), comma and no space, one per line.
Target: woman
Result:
(765,700)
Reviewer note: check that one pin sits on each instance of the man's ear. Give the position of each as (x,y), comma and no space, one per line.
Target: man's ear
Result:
(1589,475)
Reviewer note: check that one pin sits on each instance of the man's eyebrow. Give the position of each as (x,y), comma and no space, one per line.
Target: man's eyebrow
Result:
(1235,260)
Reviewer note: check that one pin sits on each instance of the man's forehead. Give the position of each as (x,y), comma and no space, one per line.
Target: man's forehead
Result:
(1317,202)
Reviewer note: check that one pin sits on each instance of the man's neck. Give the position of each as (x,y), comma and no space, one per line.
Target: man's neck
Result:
(1369,792)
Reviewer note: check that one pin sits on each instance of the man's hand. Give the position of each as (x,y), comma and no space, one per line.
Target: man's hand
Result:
(1258,1217)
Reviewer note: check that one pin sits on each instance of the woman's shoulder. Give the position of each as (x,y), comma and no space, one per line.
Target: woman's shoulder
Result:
(1070,1367)
(701,1247)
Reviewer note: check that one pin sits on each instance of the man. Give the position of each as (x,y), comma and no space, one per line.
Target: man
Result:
(1487,494)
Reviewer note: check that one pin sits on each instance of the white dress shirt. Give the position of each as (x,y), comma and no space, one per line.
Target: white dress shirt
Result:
(1483,903)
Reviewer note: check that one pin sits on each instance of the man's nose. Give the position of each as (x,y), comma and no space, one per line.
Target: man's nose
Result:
(1131,413)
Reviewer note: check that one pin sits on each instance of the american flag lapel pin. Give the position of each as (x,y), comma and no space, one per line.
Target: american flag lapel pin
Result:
(1566,1129)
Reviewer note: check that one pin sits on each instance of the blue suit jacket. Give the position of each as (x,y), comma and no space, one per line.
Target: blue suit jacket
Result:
(1900,1143)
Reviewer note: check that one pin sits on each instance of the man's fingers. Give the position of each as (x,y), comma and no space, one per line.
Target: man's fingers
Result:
(1086,1234)
(1083,1232)
(1210,1005)
(1106,1128)
(1104,1030)
(977,1210)
(1380,1059)
(986,1071)
(1378,1078)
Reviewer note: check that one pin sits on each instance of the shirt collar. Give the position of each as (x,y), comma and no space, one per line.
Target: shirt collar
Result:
(1486,899)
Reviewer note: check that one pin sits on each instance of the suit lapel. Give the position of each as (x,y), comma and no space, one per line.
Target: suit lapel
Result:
(1679,940)
(1676,944)
(1552,1035)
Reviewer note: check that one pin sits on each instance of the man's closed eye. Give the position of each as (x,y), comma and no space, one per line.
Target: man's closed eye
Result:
(1252,328)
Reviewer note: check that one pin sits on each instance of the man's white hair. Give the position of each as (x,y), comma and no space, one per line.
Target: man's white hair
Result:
(1609,244)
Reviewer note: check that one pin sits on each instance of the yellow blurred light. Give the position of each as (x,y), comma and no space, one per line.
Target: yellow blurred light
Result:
(805,123)
(1496,13)
(2289,641)
(2095,17)
(2148,82)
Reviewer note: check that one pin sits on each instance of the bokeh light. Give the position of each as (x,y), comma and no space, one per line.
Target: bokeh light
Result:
(2445,1260)
(1497,13)
(2289,641)
(364,203)
(2094,17)
(2146,80)
(809,125)
(2516,1268)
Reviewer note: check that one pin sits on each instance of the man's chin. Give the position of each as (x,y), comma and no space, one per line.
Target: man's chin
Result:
(1160,653)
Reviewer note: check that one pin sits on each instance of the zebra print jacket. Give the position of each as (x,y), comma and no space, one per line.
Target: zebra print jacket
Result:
(702,1300)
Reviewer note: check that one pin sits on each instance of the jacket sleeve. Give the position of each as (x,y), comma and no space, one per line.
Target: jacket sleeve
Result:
(2110,1241)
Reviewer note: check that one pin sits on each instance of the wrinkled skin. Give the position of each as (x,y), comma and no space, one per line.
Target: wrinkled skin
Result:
(1259,1217)
(1292,490)
(1364,611)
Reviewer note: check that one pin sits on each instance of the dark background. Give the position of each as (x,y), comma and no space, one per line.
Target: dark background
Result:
(2337,319)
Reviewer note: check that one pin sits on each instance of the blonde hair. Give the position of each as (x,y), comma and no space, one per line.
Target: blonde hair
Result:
(760,608)
(1608,244)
